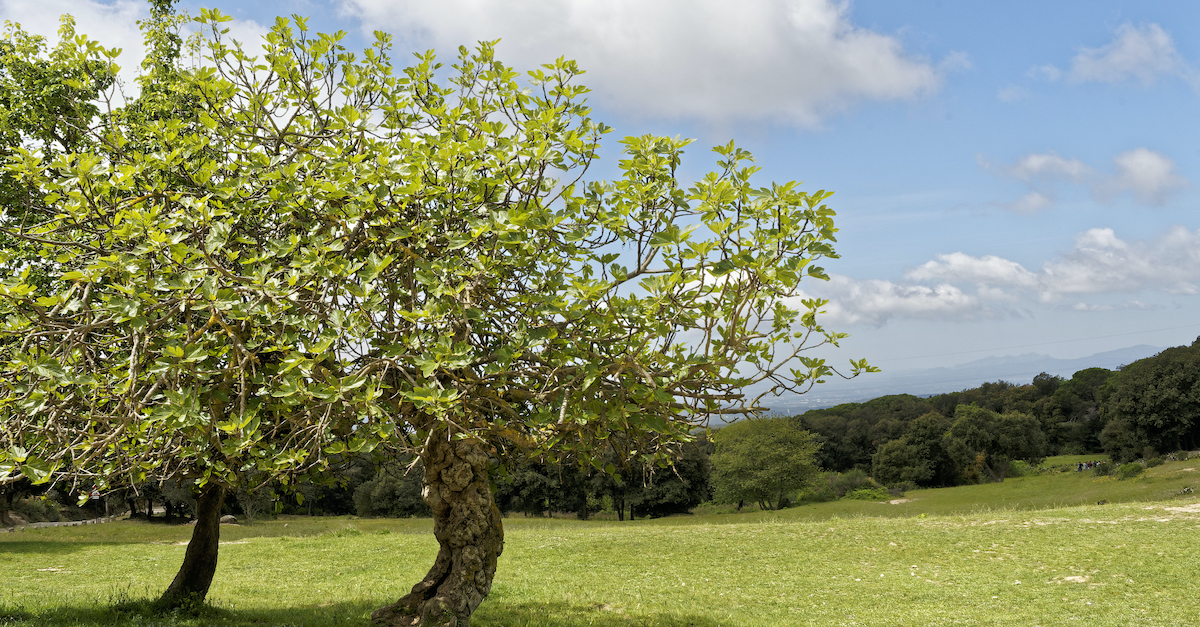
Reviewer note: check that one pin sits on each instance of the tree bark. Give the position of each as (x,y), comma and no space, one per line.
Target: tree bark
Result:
(468,528)
(200,561)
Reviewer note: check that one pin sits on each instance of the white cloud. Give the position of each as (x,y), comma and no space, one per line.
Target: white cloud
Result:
(1132,304)
(1045,73)
(1030,203)
(797,61)
(958,286)
(988,270)
(1012,93)
(1101,263)
(113,25)
(1049,167)
(1141,54)
(1149,175)
(1042,173)
(874,302)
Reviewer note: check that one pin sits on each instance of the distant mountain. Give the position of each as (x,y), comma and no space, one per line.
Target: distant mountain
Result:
(1018,369)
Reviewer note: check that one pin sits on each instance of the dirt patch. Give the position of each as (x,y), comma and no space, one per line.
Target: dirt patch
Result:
(1194,508)
(899,501)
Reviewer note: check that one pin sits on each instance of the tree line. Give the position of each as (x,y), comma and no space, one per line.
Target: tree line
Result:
(1145,409)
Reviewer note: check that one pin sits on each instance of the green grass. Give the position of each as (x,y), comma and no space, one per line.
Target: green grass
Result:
(1033,551)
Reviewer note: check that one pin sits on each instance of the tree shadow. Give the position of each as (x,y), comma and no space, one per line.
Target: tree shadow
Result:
(142,612)
(560,614)
(43,547)
(352,614)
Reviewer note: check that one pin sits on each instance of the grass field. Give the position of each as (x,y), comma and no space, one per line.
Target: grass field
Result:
(1033,551)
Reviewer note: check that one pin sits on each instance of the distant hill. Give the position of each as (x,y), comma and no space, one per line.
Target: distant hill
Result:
(1012,368)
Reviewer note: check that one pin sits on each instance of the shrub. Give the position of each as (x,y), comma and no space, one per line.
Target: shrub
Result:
(1103,469)
(819,492)
(37,509)
(1154,461)
(394,492)
(847,482)
(1020,468)
(1129,471)
(869,494)
(898,489)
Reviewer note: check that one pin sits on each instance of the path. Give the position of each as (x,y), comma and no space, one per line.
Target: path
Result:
(61,523)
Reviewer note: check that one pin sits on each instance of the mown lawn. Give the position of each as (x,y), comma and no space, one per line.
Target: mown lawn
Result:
(1123,563)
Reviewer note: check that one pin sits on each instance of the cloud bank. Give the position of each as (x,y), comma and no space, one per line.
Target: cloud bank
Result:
(1150,177)
(1137,54)
(957,286)
(794,61)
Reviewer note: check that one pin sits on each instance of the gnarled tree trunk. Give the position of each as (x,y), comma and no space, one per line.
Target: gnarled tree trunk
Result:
(468,528)
(200,561)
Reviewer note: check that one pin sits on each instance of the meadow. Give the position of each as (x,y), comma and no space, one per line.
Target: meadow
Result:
(1035,550)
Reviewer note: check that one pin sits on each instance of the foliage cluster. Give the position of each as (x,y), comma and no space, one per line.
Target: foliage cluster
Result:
(1067,411)
(762,461)
(1153,405)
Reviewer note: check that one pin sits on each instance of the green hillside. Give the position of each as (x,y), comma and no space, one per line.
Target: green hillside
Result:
(1031,550)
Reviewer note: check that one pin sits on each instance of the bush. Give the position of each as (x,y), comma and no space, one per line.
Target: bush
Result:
(38,509)
(898,489)
(393,493)
(1129,471)
(1154,461)
(847,482)
(819,492)
(869,494)
(1020,468)
(1103,469)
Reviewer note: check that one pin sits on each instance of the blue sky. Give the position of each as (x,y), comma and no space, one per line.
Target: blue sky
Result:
(1010,177)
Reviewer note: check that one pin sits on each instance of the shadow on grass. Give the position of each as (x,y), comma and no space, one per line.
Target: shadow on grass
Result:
(40,547)
(355,614)
(557,614)
(141,612)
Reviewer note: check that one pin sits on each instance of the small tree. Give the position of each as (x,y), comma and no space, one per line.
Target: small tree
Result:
(762,461)
(983,442)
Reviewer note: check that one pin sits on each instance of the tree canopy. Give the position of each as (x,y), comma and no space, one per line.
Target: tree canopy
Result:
(1153,403)
(983,443)
(272,259)
(762,461)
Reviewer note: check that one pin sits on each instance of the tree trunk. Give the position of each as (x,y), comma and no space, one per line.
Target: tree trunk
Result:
(468,528)
(200,561)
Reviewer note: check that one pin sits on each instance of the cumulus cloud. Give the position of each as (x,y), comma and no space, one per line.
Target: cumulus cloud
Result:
(1100,262)
(874,302)
(1149,175)
(112,24)
(988,270)
(1049,167)
(1042,173)
(797,61)
(958,286)
(1142,54)
(1030,203)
